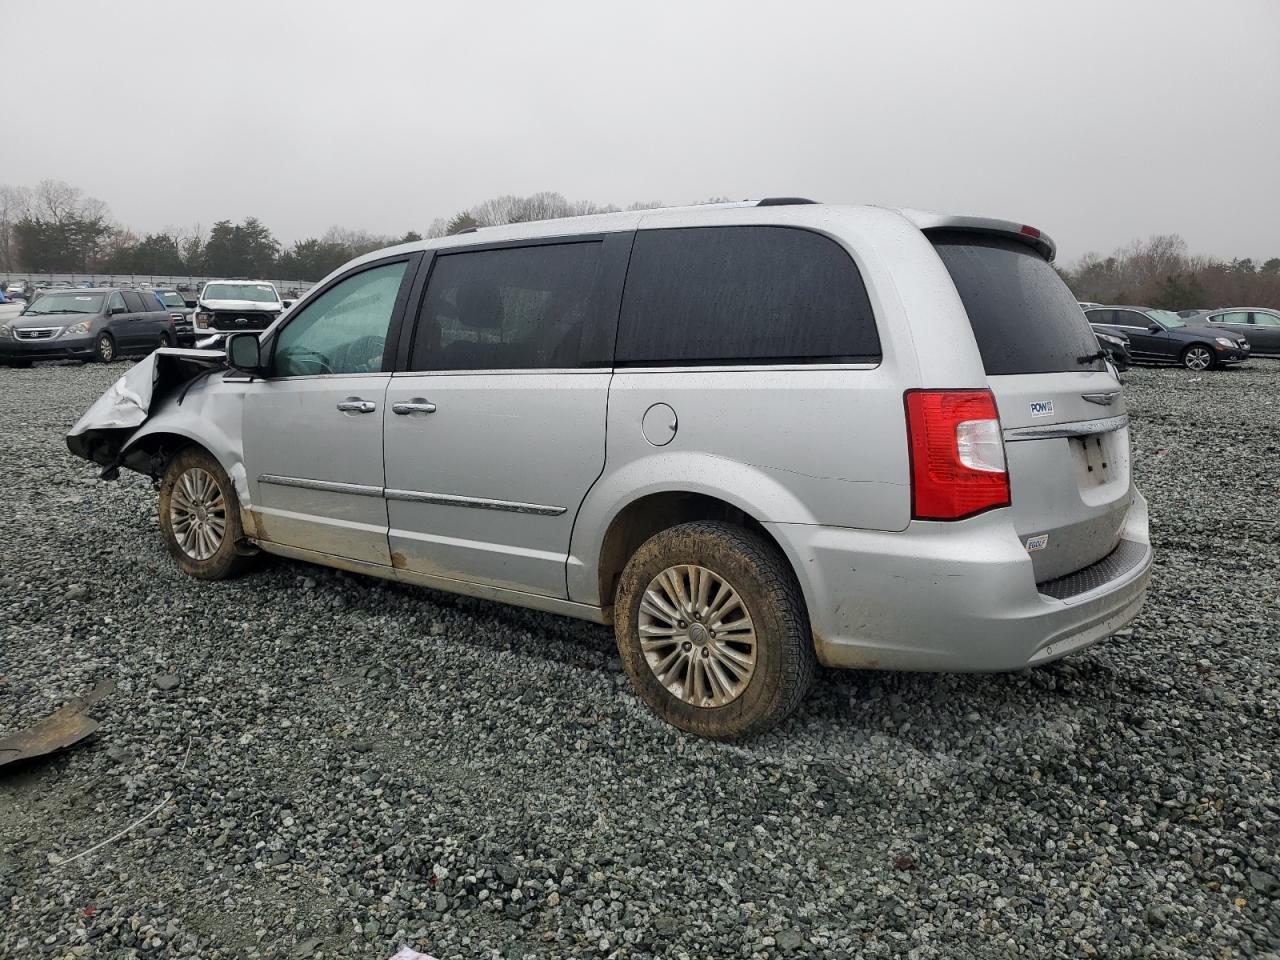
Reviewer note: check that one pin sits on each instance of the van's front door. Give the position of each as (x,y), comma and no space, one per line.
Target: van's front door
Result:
(312,430)
(496,432)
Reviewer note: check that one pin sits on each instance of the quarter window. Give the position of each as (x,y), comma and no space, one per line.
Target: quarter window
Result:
(344,330)
(706,295)
(1240,316)
(514,308)
(117,302)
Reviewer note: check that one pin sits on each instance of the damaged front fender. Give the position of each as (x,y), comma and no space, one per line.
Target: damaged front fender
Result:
(102,433)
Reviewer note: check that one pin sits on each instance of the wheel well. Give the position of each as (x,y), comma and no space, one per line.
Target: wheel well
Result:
(641,519)
(152,453)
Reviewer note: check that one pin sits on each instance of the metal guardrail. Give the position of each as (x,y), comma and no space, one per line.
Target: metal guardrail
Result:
(134,279)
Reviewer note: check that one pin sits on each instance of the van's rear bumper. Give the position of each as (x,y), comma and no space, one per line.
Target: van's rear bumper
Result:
(954,596)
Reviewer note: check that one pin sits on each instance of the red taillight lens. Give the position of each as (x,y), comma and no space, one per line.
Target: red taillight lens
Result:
(957,454)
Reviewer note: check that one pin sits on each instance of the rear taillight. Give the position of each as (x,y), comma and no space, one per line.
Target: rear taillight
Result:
(957,454)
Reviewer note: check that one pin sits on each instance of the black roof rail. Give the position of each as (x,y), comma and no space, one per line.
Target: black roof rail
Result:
(467,230)
(783,201)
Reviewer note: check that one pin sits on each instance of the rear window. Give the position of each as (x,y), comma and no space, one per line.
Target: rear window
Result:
(137,303)
(708,295)
(1024,317)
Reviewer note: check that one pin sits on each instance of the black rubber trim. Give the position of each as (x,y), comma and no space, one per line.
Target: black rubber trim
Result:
(1124,558)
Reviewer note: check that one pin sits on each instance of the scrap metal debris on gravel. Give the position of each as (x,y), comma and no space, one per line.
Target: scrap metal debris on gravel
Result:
(371,767)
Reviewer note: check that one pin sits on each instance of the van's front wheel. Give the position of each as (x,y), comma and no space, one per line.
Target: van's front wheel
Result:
(200,516)
(713,631)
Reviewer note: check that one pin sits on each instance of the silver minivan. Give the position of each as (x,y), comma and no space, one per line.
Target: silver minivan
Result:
(754,437)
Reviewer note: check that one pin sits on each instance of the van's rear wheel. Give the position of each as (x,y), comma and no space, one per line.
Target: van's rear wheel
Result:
(1197,357)
(713,631)
(200,516)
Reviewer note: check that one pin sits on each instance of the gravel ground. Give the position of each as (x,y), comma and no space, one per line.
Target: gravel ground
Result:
(342,765)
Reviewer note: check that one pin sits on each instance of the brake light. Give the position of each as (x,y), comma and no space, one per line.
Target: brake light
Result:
(957,454)
(1030,232)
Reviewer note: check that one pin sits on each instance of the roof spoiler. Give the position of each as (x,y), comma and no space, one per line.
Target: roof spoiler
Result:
(1032,236)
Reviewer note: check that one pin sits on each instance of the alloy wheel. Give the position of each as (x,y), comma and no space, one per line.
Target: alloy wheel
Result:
(198,514)
(1198,358)
(697,636)
(106,349)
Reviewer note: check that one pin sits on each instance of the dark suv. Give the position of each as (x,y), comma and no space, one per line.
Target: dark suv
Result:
(180,312)
(96,324)
(1161,336)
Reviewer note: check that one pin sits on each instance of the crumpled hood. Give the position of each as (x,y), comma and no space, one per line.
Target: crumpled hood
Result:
(104,429)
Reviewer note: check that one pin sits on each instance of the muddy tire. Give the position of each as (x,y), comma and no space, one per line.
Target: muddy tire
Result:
(200,516)
(18,364)
(104,348)
(713,631)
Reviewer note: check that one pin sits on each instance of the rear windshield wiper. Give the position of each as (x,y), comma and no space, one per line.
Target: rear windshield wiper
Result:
(1100,355)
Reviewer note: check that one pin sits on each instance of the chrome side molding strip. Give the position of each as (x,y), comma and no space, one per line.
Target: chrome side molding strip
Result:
(480,503)
(414,496)
(1082,428)
(327,486)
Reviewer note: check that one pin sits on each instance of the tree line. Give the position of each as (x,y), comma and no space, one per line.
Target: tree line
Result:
(55,228)
(1159,272)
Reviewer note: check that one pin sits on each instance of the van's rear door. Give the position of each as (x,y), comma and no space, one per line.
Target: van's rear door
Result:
(1062,410)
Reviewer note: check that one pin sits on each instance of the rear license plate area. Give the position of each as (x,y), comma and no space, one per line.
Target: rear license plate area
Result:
(1093,452)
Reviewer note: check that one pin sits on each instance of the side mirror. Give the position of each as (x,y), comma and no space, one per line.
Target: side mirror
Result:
(191,304)
(1154,328)
(286,303)
(244,352)
(114,310)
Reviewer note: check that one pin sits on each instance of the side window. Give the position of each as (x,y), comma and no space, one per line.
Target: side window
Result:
(1100,316)
(1266,320)
(1132,318)
(743,295)
(516,308)
(117,302)
(1238,316)
(344,330)
(134,302)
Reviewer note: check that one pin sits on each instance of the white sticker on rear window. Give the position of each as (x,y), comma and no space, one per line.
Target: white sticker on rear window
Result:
(1041,408)
(1038,542)
(84,298)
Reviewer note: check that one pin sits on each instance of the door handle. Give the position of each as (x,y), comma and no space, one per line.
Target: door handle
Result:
(416,405)
(356,405)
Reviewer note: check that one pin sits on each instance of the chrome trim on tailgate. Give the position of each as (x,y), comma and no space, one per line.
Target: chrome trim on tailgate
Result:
(482,503)
(1081,428)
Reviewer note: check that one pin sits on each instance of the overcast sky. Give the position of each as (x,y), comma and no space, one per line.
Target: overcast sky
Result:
(1097,121)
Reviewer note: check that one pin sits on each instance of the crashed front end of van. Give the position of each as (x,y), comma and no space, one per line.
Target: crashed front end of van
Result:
(106,433)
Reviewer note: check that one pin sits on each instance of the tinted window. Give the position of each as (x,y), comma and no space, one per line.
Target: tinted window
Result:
(344,330)
(1024,317)
(517,308)
(743,294)
(134,302)
(1101,316)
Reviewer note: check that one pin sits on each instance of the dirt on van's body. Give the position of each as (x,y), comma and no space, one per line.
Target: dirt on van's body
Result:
(305,763)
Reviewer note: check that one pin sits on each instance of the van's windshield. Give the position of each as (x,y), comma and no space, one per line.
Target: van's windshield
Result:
(1023,315)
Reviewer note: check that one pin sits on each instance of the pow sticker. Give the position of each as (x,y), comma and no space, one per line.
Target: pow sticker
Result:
(1038,542)
(1041,408)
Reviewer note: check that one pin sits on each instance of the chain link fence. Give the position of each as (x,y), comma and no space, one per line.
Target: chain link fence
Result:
(288,288)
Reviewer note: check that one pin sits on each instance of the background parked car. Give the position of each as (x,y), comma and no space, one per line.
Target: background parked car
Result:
(1116,346)
(1259,325)
(180,311)
(1161,336)
(85,325)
